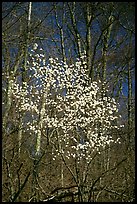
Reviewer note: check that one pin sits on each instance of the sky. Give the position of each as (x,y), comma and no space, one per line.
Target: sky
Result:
(40,10)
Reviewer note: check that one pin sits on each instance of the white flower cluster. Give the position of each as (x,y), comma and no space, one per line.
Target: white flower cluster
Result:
(62,97)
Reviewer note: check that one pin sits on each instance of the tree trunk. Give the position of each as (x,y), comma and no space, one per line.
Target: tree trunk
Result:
(106,37)
(25,68)
(61,33)
(129,92)
(88,42)
(76,33)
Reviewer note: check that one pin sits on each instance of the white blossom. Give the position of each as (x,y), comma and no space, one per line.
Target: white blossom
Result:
(35,46)
(80,112)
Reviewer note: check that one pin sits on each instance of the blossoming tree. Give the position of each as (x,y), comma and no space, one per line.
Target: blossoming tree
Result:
(59,102)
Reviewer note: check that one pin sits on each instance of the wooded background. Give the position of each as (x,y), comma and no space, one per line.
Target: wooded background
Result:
(64,30)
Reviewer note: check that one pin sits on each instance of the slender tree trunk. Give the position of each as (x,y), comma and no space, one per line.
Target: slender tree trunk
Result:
(61,33)
(76,33)
(40,125)
(62,174)
(62,171)
(106,37)
(88,41)
(35,193)
(129,91)
(27,36)
(62,44)
(129,95)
